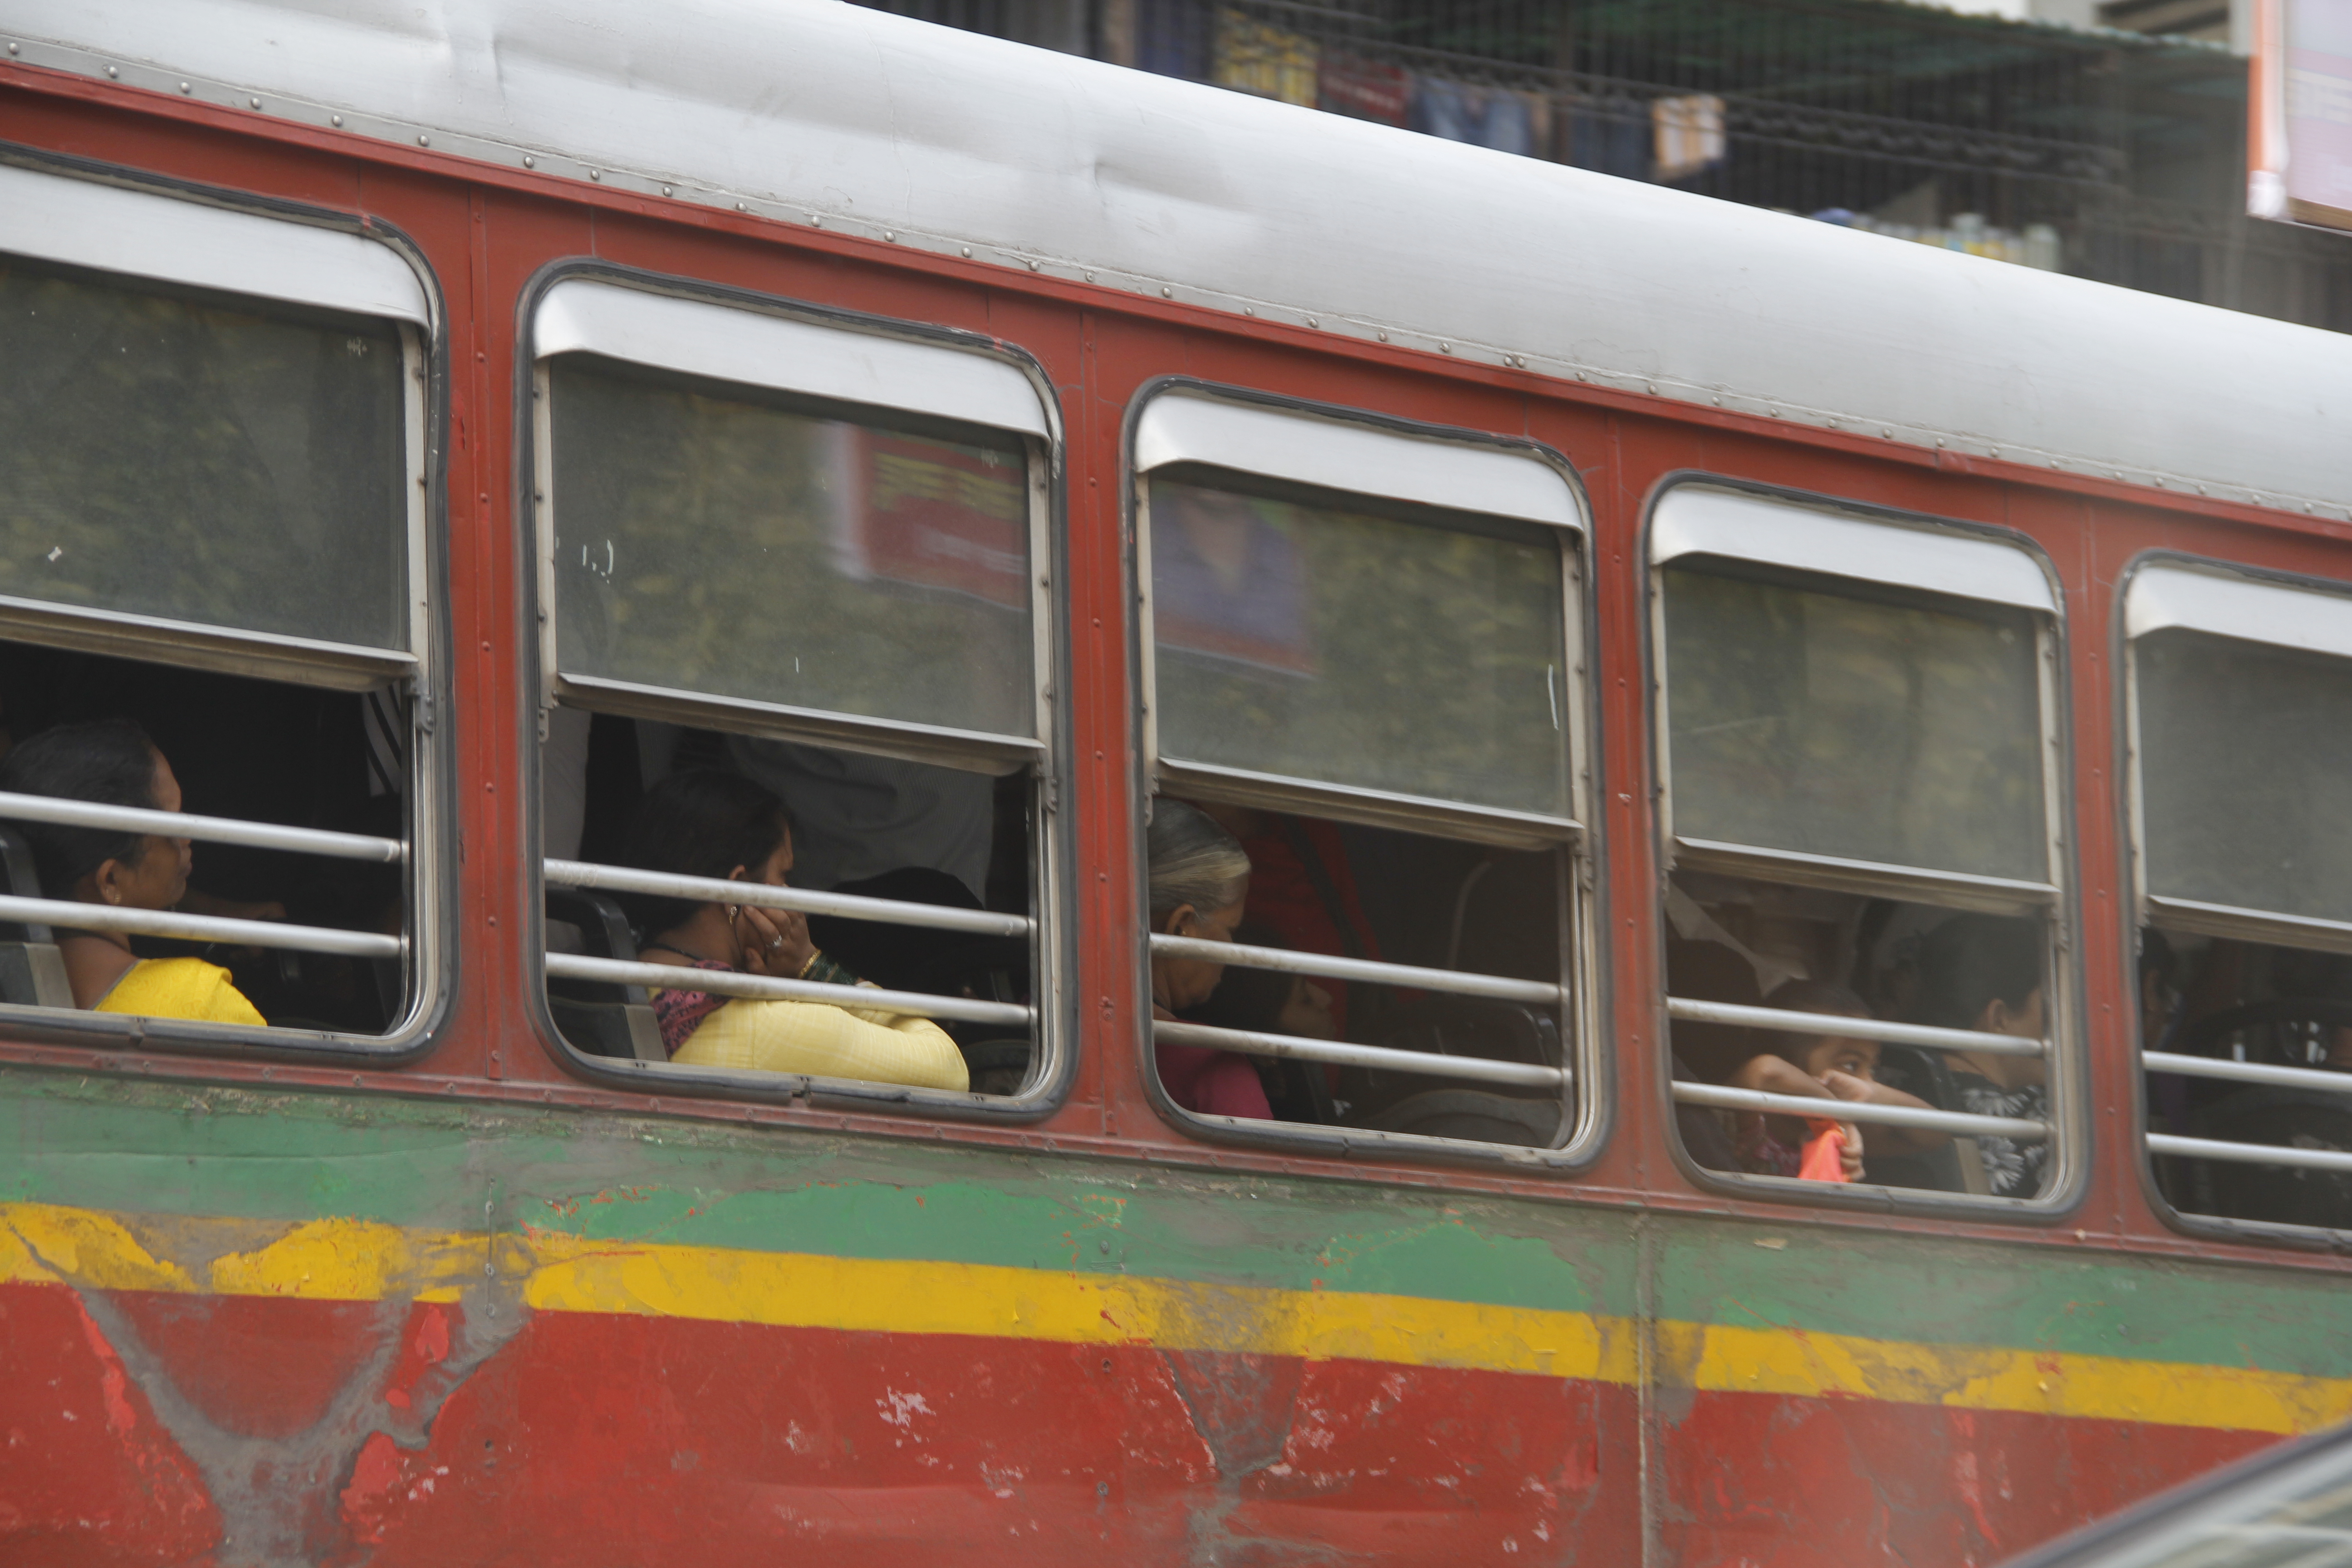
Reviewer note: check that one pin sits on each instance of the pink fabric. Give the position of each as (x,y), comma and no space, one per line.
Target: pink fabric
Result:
(1212,1082)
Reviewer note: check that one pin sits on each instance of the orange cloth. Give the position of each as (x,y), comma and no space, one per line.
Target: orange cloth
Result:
(179,988)
(1824,1158)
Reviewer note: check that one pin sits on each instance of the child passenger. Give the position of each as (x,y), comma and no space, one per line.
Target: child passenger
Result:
(1821,1066)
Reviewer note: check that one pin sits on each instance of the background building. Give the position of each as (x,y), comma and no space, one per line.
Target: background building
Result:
(2102,138)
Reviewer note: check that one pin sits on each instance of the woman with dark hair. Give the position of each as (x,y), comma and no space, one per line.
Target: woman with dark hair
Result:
(703,823)
(1984,973)
(112,762)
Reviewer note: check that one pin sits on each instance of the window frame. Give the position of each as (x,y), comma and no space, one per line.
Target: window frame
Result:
(901,344)
(1877,566)
(2228,591)
(120,223)
(1583,980)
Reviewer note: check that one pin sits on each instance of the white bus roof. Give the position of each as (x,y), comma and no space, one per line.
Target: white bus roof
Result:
(876,125)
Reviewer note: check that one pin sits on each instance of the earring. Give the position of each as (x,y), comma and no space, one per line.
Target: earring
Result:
(733,911)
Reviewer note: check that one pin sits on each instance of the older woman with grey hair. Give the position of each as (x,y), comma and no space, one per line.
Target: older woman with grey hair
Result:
(1199,882)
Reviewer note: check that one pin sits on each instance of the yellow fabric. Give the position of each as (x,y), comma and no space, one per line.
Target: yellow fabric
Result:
(179,988)
(819,1038)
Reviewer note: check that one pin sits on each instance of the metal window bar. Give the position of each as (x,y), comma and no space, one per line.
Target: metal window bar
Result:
(1341,1053)
(849,906)
(68,915)
(2249,1153)
(1288,962)
(775,988)
(1956,1122)
(1686,1010)
(2320,1078)
(205,829)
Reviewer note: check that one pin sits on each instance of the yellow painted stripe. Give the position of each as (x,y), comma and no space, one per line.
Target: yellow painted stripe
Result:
(351,1261)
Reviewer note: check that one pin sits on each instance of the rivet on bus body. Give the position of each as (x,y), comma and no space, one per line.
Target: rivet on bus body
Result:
(185,90)
(1445,348)
(254,101)
(424,140)
(668,192)
(112,73)
(12,48)
(528,162)
(1166,292)
(1313,322)
(1090,276)
(337,119)
(891,235)
(1249,310)
(967,251)
(1384,337)
(596,175)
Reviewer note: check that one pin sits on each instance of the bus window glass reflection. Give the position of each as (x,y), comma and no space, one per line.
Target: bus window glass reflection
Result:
(2241,698)
(212,539)
(1859,771)
(794,646)
(1362,724)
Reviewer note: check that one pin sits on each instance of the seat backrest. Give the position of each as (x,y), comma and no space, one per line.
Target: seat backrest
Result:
(595,1016)
(22,879)
(1473,1114)
(33,975)
(2287,1194)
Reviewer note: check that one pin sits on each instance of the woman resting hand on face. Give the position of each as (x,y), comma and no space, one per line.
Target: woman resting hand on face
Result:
(703,823)
(112,762)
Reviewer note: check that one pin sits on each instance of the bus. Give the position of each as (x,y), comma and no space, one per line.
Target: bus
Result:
(1543,871)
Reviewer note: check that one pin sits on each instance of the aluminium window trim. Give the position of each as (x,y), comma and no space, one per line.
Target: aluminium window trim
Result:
(109,227)
(1268,432)
(1191,424)
(905,348)
(784,353)
(1872,565)
(1699,516)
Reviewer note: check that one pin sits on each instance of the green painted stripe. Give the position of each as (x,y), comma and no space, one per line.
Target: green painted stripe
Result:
(134,1148)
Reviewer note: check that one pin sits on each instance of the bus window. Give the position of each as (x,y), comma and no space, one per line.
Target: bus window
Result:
(1861,773)
(2241,733)
(797,652)
(215,805)
(1364,704)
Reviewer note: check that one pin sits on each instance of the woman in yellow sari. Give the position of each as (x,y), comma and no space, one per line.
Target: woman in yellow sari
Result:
(112,762)
(701,823)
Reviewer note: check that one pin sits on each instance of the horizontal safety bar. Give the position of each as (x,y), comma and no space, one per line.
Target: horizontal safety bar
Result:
(775,988)
(205,829)
(2319,1078)
(1251,1043)
(1934,1039)
(1320,963)
(849,906)
(1728,1098)
(2248,1154)
(68,915)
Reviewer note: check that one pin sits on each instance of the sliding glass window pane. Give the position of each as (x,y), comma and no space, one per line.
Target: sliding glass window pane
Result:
(194,458)
(1418,656)
(716,540)
(2245,771)
(1829,725)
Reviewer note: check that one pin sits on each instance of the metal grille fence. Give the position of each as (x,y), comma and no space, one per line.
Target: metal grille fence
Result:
(2108,155)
